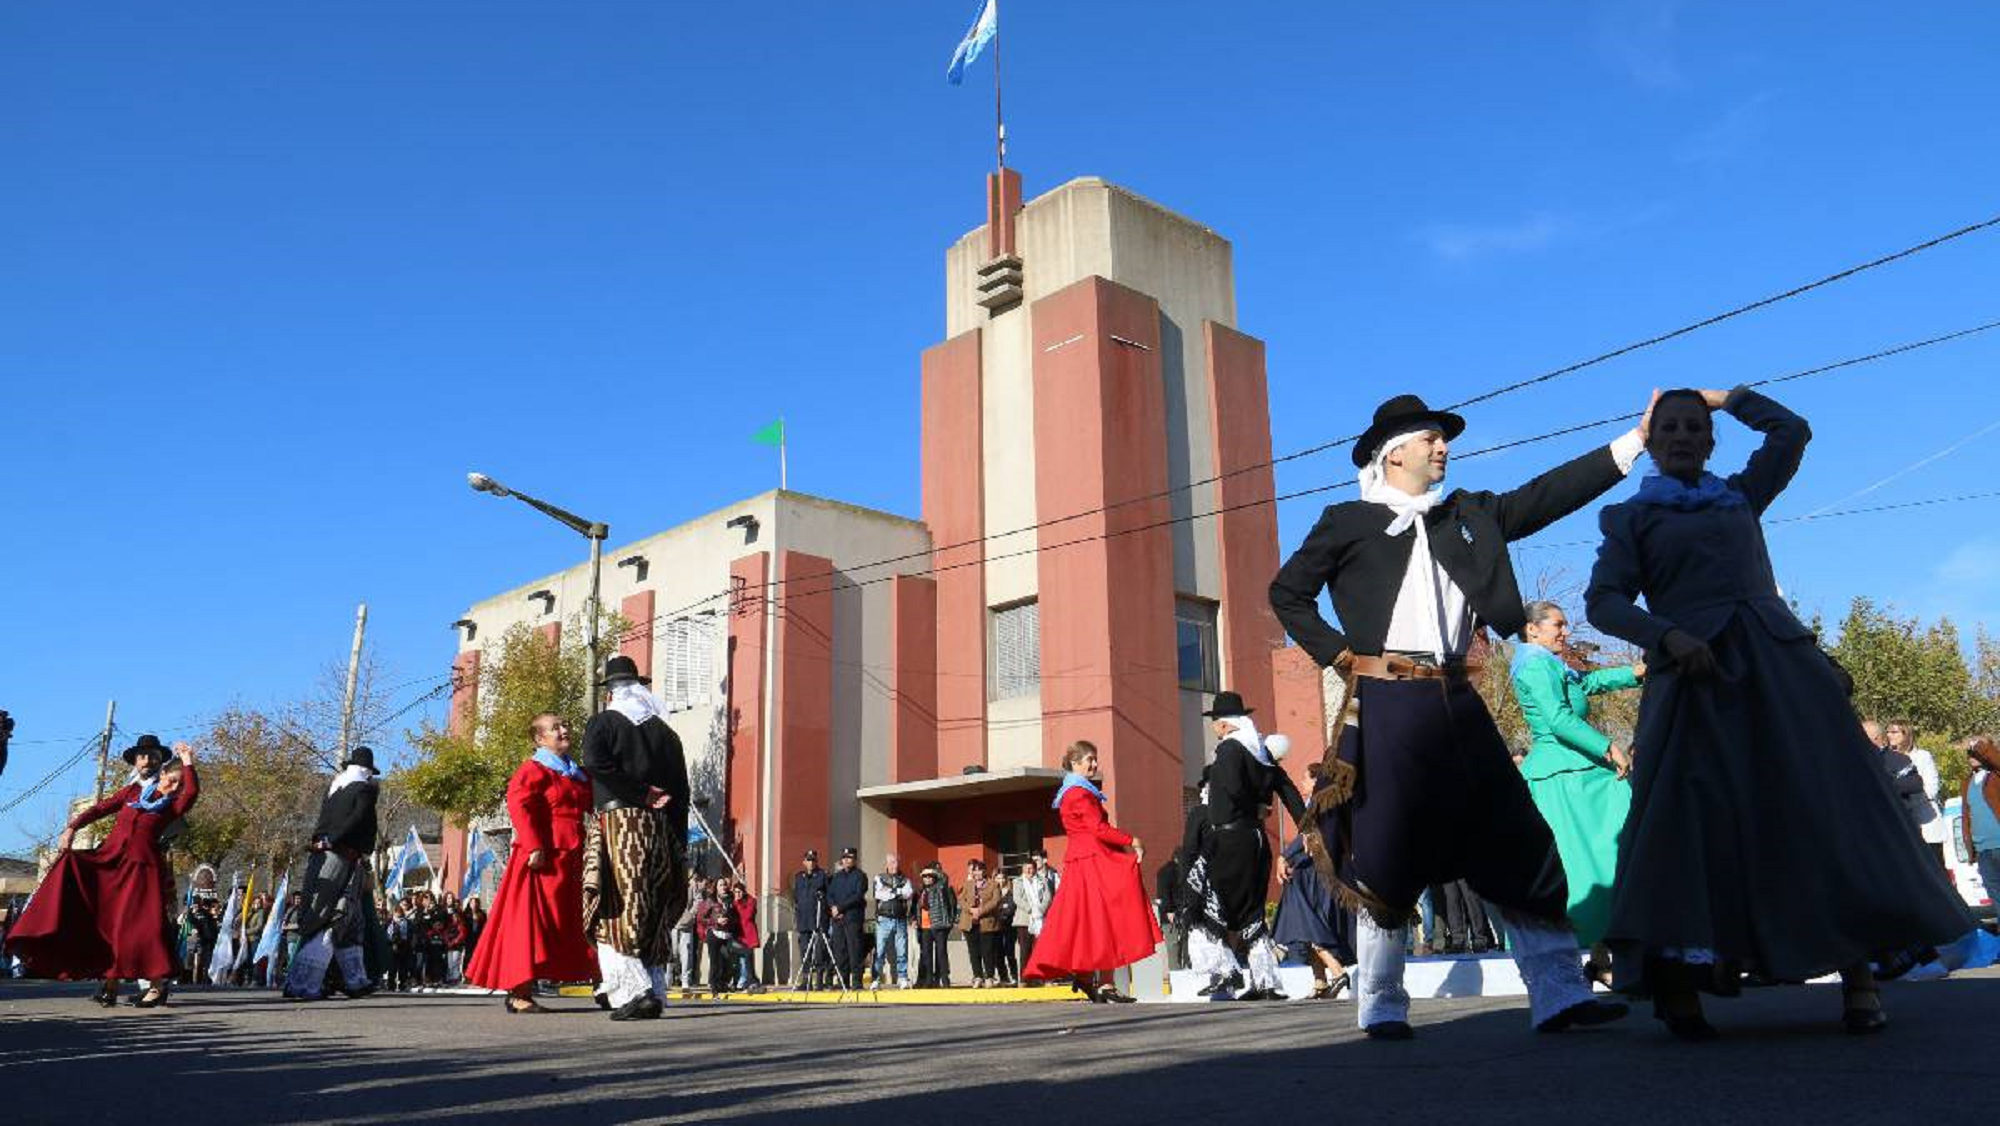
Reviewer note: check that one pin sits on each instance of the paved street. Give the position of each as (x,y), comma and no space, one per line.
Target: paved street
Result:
(226,1057)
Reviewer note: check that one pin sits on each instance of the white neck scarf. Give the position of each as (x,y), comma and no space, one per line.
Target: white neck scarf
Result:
(1409,510)
(636,702)
(349,776)
(1376,489)
(1244,730)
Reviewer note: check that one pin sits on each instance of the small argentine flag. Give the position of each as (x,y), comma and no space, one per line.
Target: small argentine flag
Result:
(976,38)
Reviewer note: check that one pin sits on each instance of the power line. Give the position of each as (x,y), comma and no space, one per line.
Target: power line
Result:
(1811,516)
(1481,452)
(1721,317)
(1899,349)
(68,764)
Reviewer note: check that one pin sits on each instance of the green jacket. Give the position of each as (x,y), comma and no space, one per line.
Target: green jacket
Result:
(1555,701)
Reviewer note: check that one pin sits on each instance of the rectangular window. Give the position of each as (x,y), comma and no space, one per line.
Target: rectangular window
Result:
(681,677)
(1017,651)
(1200,660)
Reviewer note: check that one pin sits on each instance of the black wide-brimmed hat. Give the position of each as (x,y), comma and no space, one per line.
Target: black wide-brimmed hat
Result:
(622,669)
(148,745)
(1400,415)
(362,756)
(1226,704)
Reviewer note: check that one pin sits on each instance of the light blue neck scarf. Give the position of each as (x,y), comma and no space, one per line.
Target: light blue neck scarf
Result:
(1708,492)
(560,765)
(150,800)
(1075,781)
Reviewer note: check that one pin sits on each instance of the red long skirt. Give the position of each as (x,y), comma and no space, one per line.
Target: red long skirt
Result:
(1099,920)
(535,931)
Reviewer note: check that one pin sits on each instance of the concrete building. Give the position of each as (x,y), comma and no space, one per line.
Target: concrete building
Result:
(1092,563)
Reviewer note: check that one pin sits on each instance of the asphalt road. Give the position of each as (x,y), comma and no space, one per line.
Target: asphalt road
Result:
(219,1057)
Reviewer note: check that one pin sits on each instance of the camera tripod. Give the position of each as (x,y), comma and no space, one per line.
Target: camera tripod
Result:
(819,943)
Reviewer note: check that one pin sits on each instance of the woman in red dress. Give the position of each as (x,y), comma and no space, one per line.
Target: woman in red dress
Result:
(98,912)
(1100,920)
(536,929)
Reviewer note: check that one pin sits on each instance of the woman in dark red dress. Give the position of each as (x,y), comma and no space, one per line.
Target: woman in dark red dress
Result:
(1100,920)
(98,912)
(536,929)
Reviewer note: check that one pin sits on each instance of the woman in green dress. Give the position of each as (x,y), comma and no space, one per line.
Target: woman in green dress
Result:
(1576,774)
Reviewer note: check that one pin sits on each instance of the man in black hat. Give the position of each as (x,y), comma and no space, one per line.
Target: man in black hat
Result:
(809,919)
(1419,788)
(331,920)
(635,846)
(846,904)
(1231,868)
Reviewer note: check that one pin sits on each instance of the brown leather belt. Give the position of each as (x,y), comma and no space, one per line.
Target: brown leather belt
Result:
(1395,667)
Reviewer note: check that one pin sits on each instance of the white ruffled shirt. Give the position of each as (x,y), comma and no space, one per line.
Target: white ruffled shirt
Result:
(1432,614)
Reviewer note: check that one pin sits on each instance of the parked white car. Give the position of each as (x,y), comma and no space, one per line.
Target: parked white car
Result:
(1964,872)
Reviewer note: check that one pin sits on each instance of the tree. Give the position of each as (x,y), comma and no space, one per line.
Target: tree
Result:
(464,773)
(1904,669)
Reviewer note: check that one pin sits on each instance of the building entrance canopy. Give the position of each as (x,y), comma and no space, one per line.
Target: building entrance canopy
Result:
(960,787)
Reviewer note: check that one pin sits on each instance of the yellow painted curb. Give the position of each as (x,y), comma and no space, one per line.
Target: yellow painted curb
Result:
(956,996)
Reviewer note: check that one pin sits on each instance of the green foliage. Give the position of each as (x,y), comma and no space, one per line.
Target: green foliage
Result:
(1904,669)
(261,781)
(462,770)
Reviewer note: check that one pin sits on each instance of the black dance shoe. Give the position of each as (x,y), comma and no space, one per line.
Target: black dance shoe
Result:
(1862,1020)
(106,995)
(1231,984)
(1585,1015)
(637,1008)
(1391,1030)
(1687,1025)
(358,991)
(153,998)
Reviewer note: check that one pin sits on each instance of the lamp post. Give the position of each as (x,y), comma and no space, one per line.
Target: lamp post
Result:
(588,529)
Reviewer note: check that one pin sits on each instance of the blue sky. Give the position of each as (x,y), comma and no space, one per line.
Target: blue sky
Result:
(277,275)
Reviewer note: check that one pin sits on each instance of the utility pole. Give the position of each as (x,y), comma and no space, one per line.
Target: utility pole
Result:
(104,751)
(353,674)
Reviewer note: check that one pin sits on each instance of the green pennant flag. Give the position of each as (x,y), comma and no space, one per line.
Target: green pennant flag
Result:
(772,435)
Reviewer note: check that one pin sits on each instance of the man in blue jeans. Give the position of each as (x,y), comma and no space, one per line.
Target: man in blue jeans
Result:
(893,893)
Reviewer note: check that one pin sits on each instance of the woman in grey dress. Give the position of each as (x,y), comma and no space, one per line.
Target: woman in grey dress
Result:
(1763,832)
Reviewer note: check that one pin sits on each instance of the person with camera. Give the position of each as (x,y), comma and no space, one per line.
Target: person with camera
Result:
(893,894)
(688,943)
(729,932)
(810,919)
(331,926)
(846,904)
(937,914)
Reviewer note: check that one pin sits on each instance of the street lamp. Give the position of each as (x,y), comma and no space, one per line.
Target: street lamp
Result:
(588,529)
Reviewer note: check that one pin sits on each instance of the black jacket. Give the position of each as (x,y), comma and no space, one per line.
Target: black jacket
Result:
(347,818)
(849,892)
(809,900)
(1469,533)
(624,759)
(1239,785)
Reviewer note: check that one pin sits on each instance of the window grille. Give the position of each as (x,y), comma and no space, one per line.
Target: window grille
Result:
(1017,651)
(682,663)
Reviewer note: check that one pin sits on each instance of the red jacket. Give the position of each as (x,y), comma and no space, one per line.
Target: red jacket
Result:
(1090,832)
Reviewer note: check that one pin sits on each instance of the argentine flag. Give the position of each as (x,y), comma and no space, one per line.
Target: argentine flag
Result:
(976,38)
(267,943)
(478,857)
(223,962)
(408,858)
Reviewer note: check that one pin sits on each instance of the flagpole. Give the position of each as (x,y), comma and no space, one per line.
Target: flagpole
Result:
(999,122)
(782,438)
